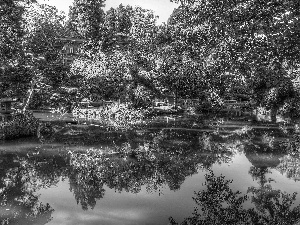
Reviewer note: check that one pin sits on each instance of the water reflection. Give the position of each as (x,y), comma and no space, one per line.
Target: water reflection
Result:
(86,189)
(19,181)
(219,204)
(272,206)
(290,162)
(153,159)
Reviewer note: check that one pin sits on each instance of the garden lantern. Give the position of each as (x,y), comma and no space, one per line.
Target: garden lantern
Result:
(6,109)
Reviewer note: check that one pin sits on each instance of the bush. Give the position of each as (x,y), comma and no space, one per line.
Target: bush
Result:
(22,124)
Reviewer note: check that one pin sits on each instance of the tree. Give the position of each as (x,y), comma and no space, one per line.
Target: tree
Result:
(181,71)
(239,38)
(108,72)
(11,31)
(178,73)
(43,27)
(28,47)
(86,19)
(11,47)
(117,21)
(126,63)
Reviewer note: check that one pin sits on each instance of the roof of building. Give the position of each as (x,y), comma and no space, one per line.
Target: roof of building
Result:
(7,100)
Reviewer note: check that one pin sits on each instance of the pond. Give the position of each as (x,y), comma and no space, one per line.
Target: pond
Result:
(155,175)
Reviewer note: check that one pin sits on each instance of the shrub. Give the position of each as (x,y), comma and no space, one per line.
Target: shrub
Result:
(22,124)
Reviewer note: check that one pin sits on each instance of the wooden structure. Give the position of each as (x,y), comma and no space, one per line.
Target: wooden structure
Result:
(6,109)
(85,103)
(120,40)
(237,108)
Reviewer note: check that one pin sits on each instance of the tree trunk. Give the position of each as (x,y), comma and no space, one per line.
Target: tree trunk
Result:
(28,98)
(175,99)
(273,114)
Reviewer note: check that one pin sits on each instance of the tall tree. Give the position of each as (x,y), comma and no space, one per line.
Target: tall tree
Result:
(125,58)
(43,25)
(178,72)
(33,53)
(86,19)
(117,21)
(11,31)
(11,46)
(242,38)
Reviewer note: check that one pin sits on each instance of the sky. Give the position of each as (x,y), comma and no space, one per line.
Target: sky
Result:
(161,8)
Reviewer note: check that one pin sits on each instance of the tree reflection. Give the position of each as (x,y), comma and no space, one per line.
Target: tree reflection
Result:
(290,163)
(153,160)
(19,182)
(86,190)
(272,206)
(220,205)
(130,169)
(164,157)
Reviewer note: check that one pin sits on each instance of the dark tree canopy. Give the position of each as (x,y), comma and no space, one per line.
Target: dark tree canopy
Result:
(236,40)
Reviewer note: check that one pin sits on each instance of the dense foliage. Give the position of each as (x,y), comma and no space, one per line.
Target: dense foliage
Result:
(209,50)
(21,125)
(243,50)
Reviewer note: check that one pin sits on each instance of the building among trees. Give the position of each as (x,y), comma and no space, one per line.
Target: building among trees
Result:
(71,49)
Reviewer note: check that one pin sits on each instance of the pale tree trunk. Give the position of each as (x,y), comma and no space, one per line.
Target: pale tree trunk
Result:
(36,78)
(31,90)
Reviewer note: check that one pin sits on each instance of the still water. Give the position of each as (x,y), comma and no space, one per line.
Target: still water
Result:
(85,175)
